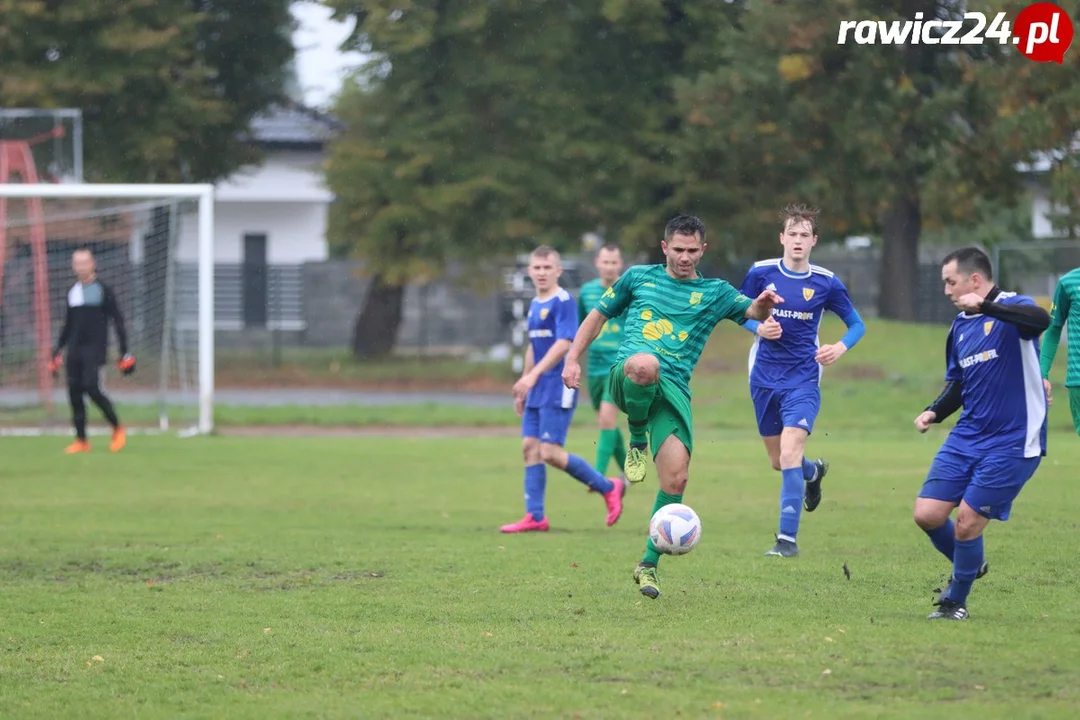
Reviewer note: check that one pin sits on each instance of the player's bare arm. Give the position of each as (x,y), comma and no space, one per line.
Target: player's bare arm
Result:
(587,332)
(761,308)
(551,359)
(519,400)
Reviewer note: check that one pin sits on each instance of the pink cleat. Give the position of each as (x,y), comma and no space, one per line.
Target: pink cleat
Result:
(526,524)
(614,500)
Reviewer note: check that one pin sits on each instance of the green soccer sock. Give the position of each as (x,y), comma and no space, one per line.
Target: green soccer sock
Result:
(639,398)
(652,556)
(605,448)
(620,449)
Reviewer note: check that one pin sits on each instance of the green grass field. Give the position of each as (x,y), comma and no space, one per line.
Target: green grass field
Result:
(271,576)
(254,577)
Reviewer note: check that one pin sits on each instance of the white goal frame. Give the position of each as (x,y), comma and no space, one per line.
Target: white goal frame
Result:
(204,194)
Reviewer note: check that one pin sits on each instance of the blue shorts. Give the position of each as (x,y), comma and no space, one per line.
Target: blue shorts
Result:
(988,484)
(549,424)
(778,408)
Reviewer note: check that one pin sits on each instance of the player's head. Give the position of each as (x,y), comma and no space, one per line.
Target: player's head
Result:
(609,263)
(544,268)
(799,231)
(83,264)
(966,270)
(683,245)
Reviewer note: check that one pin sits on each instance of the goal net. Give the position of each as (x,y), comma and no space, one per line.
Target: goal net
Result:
(153,246)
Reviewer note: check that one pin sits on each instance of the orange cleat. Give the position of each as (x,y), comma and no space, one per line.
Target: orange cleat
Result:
(119,439)
(79,446)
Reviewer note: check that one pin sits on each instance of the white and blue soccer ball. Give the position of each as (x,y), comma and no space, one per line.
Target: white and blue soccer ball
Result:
(675,529)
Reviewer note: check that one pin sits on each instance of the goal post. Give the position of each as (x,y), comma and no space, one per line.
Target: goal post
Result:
(154,245)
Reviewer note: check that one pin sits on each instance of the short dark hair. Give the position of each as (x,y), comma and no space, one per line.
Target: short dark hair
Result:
(684,225)
(798,212)
(610,246)
(970,260)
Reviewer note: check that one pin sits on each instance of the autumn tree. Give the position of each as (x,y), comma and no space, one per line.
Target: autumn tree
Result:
(888,139)
(167,87)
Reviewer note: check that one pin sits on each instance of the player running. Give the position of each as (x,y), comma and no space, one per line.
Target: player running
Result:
(1066,297)
(610,445)
(91,304)
(670,312)
(544,405)
(992,371)
(786,364)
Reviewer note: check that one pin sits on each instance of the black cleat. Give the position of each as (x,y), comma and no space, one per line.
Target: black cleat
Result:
(944,592)
(812,498)
(784,548)
(948,610)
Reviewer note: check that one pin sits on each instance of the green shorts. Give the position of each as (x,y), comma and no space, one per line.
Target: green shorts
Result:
(670,413)
(1074,406)
(598,390)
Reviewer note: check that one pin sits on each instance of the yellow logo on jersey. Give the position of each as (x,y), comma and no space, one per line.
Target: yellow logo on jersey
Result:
(987,327)
(610,292)
(543,313)
(695,298)
(657,329)
(807,293)
(646,314)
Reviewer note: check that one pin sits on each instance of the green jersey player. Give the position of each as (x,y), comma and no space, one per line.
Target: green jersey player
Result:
(1066,297)
(670,312)
(602,354)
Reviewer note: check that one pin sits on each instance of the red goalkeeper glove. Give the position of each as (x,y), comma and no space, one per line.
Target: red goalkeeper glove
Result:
(56,363)
(126,364)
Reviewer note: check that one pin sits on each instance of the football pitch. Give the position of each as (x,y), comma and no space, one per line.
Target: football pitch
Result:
(254,577)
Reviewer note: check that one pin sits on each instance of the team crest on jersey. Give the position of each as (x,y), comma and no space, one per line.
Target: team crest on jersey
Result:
(543,313)
(987,327)
(695,298)
(807,293)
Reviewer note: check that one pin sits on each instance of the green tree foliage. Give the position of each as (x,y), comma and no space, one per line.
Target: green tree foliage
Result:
(888,139)
(483,128)
(167,87)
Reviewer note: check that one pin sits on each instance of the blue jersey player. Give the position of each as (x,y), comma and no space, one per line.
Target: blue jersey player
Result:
(545,405)
(786,363)
(992,371)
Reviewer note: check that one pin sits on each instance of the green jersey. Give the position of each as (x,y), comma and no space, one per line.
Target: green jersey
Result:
(605,348)
(668,318)
(1066,296)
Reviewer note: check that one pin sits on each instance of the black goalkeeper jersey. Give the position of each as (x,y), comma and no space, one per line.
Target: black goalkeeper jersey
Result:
(86,327)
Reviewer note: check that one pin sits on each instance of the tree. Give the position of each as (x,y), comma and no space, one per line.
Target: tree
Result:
(457,144)
(482,127)
(888,139)
(167,87)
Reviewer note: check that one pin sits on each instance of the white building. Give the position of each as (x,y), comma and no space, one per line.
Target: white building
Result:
(268,220)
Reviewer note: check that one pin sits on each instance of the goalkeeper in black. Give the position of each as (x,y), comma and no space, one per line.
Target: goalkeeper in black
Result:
(91,304)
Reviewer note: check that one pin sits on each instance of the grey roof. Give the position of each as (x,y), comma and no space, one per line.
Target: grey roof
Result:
(293,125)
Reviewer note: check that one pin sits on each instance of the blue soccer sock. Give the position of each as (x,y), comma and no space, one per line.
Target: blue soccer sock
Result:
(580,470)
(791,499)
(966,564)
(944,539)
(808,469)
(535,484)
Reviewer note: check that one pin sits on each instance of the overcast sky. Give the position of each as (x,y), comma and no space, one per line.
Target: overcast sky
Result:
(318,62)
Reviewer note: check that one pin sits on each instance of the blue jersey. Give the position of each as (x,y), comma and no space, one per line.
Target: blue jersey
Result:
(1002,391)
(789,362)
(549,320)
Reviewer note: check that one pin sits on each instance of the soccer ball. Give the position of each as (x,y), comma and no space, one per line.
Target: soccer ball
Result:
(675,529)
